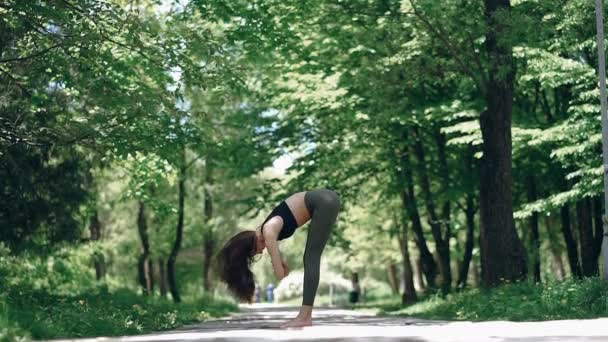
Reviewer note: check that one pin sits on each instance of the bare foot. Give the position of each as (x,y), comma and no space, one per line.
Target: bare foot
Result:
(297,323)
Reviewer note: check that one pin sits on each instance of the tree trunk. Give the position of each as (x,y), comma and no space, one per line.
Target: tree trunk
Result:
(162,278)
(355,294)
(409,292)
(150,274)
(463,271)
(391,273)
(502,252)
(475,271)
(598,235)
(208,236)
(571,248)
(418,278)
(209,246)
(468,245)
(144,263)
(446,212)
(585,229)
(408,199)
(443,249)
(178,230)
(98,257)
(534,237)
(557,264)
(428,265)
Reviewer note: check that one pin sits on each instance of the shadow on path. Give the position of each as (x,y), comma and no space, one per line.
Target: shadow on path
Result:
(259,323)
(272,317)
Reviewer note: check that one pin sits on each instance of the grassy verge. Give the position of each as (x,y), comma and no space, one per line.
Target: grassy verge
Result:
(37,314)
(571,299)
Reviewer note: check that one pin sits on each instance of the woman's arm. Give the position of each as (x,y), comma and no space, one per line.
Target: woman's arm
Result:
(271,233)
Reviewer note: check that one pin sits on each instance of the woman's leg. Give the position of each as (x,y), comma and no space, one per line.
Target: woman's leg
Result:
(323,206)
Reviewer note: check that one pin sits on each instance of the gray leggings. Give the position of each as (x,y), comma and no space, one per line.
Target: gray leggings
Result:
(323,206)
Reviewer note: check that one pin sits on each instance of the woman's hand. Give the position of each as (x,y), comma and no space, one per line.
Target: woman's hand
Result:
(280,275)
(285,268)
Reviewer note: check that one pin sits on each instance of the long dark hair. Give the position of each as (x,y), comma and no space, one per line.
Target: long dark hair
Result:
(234,260)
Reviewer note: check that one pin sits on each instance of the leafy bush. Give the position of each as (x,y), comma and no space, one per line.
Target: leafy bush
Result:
(40,314)
(67,270)
(58,297)
(525,301)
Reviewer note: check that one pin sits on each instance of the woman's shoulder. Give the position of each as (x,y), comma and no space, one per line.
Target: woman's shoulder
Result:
(272,227)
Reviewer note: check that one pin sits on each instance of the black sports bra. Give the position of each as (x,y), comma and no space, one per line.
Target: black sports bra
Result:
(289,221)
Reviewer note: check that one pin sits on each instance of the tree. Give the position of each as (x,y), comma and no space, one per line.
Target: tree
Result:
(179,228)
(502,254)
(145,270)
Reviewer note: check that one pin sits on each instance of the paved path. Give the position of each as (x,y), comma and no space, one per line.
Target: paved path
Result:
(260,323)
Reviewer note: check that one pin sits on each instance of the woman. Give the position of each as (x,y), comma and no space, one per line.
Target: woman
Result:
(320,207)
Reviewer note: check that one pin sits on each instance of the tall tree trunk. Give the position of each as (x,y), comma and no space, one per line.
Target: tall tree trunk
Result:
(442,246)
(446,211)
(355,294)
(470,210)
(475,274)
(179,230)
(162,278)
(409,292)
(585,229)
(571,248)
(534,237)
(208,234)
(408,200)
(429,268)
(598,235)
(557,264)
(468,244)
(418,275)
(427,265)
(391,274)
(502,252)
(144,264)
(150,274)
(98,258)
(209,246)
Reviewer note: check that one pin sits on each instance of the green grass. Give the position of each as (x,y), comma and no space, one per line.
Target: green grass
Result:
(570,299)
(38,314)
(57,296)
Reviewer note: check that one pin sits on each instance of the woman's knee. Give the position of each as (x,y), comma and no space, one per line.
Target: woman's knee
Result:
(330,198)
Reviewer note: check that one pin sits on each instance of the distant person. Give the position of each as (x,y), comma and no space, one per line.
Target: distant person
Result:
(355,292)
(258,294)
(321,207)
(270,293)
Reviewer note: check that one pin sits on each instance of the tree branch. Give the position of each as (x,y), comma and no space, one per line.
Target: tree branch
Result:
(484,77)
(25,90)
(438,33)
(34,55)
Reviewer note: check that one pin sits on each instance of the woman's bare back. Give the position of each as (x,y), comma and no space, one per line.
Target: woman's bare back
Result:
(298,208)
